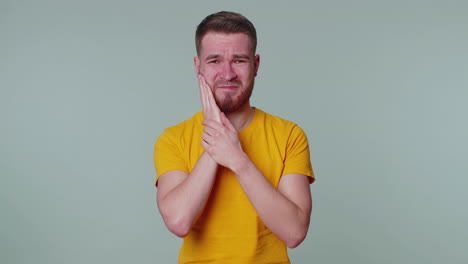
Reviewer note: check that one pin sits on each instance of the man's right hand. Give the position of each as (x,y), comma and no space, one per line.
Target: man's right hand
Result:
(209,106)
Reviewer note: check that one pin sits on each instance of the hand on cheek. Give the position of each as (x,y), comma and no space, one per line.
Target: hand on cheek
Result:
(209,106)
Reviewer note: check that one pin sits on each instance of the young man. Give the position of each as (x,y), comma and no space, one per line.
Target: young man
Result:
(233,180)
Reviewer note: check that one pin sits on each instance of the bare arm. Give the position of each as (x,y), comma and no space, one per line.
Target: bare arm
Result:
(286,210)
(181,197)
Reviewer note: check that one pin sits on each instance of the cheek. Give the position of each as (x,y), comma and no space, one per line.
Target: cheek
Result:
(244,73)
(210,76)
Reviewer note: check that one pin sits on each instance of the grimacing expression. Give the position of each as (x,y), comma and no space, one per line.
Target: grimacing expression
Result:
(229,65)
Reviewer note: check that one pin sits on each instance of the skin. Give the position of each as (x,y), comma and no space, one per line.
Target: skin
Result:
(226,69)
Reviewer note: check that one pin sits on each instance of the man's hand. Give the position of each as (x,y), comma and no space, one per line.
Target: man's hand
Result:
(221,142)
(209,106)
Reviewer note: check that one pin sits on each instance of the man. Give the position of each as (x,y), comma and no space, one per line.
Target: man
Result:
(233,180)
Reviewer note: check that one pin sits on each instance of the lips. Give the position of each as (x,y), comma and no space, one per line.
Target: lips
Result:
(228,87)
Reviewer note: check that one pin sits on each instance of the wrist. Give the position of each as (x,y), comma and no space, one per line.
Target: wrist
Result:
(241,164)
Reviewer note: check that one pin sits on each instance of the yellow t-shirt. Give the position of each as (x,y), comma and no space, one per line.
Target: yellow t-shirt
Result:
(229,229)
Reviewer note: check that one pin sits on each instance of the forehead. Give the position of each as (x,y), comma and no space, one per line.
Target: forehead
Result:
(221,42)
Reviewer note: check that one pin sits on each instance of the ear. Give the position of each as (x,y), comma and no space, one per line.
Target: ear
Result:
(196,64)
(256,64)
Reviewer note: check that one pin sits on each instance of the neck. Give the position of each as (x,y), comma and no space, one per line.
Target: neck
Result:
(242,117)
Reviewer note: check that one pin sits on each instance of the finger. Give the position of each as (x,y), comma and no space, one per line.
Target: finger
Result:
(209,93)
(210,100)
(206,138)
(211,108)
(210,131)
(205,87)
(205,145)
(203,97)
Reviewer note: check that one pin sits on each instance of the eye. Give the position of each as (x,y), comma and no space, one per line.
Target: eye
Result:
(213,61)
(240,61)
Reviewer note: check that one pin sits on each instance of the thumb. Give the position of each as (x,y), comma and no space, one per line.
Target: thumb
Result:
(226,122)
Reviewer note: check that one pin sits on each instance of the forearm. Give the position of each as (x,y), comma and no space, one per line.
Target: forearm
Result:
(283,217)
(181,206)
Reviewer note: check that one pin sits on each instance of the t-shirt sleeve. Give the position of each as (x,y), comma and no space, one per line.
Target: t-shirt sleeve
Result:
(167,155)
(298,155)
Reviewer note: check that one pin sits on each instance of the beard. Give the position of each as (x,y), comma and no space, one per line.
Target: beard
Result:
(230,102)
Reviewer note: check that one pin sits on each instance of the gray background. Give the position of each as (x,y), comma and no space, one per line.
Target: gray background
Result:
(380,87)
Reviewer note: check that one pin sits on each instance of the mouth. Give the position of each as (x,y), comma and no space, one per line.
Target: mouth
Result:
(228,87)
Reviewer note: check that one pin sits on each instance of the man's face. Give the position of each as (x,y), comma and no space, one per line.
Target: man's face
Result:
(229,66)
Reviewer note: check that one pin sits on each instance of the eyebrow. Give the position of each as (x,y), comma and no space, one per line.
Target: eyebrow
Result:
(237,56)
(212,56)
(242,56)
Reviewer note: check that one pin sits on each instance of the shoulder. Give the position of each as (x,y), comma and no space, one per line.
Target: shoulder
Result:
(278,124)
(179,133)
(185,126)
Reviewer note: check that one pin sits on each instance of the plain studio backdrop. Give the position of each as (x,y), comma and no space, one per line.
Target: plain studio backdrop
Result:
(380,87)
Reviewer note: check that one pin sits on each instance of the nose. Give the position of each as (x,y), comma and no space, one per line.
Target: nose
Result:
(227,72)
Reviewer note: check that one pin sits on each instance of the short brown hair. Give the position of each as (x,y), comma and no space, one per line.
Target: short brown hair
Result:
(228,22)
